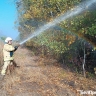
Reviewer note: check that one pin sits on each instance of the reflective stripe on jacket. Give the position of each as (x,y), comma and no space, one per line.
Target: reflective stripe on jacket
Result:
(8,52)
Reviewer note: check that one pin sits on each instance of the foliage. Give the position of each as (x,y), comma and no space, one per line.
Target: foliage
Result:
(59,40)
(33,13)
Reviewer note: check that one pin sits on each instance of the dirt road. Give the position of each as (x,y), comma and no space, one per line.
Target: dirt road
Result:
(36,77)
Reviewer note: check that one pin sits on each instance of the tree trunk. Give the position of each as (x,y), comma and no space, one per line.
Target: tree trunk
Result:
(84,71)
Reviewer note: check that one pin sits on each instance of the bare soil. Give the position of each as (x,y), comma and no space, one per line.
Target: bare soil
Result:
(42,76)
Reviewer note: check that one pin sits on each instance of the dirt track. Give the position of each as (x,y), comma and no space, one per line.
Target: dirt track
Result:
(36,77)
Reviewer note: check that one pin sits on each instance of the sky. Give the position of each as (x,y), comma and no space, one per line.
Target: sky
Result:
(8,16)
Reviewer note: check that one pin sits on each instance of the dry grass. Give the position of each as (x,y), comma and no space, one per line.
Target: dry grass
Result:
(43,76)
(1,54)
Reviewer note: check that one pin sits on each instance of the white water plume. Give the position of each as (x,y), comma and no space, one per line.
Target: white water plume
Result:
(77,10)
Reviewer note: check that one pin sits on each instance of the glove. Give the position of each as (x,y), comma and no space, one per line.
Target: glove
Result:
(16,47)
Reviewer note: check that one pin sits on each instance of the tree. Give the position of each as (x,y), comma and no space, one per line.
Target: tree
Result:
(60,40)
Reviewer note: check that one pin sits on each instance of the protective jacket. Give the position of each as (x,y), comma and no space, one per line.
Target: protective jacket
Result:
(8,52)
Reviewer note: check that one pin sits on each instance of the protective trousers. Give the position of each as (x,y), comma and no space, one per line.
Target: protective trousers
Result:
(6,64)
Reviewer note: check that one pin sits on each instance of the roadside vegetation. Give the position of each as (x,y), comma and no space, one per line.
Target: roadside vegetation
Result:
(68,41)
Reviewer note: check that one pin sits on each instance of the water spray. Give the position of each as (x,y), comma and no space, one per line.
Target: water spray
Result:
(69,14)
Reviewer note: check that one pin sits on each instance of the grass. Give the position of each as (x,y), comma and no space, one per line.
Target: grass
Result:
(1,54)
(39,71)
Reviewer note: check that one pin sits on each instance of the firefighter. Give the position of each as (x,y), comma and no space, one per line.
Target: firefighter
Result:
(8,51)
